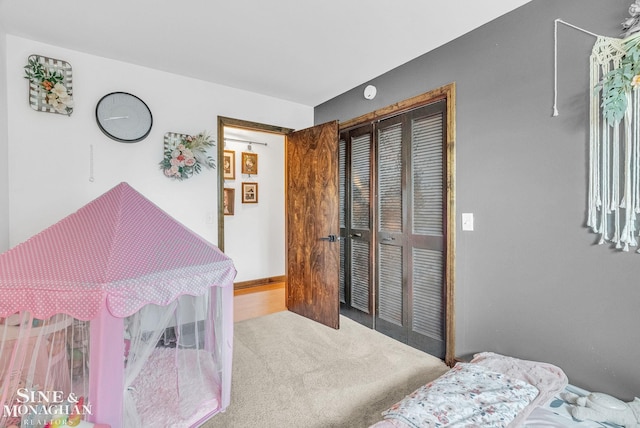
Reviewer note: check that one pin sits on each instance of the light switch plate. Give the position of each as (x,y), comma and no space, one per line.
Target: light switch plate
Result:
(467,221)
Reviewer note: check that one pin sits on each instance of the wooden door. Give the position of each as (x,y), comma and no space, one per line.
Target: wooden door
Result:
(313,250)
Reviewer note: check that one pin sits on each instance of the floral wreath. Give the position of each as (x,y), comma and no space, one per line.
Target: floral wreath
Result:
(51,82)
(185,157)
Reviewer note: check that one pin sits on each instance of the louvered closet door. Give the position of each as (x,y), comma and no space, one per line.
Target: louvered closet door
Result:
(355,223)
(410,228)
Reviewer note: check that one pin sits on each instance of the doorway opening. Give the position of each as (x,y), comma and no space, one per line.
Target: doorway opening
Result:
(311,248)
(251,207)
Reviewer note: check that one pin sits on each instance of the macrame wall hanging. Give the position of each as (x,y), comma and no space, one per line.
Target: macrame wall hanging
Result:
(614,139)
(614,134)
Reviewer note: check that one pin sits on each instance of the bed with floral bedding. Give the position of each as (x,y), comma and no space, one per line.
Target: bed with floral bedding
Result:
(490,391)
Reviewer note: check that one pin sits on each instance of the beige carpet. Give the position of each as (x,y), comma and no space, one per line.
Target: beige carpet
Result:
(289,371)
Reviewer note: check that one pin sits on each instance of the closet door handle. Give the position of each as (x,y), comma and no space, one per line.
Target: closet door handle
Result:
(356,235)
(330,238)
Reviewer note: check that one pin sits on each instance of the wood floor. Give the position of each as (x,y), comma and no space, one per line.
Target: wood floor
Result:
(257,301)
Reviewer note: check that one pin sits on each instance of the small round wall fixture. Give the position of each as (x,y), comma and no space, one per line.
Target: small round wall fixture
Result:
(124,117)
(370,92)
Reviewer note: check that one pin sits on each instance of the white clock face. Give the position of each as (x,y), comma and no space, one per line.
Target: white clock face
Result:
(124,117)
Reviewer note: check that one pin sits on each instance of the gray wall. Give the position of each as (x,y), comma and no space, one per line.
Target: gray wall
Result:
(529,280)
(4,162)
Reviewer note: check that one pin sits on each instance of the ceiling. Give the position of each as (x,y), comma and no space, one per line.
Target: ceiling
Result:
(301,51)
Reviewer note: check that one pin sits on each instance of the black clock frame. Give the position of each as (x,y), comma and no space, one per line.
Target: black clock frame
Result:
(113,137)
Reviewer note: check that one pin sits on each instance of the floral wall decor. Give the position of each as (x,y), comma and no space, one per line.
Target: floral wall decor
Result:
(50,84)
(185,155)
(631,25)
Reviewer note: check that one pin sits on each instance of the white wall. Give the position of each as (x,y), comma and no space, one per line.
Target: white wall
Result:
(4,163)
(49,154)
(255,235)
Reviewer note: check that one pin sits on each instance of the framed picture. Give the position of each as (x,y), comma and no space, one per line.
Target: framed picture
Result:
(229,162)
(249,163)
(229,197)
(249,193)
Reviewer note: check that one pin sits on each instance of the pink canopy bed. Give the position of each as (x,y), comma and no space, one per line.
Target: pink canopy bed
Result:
(117,315)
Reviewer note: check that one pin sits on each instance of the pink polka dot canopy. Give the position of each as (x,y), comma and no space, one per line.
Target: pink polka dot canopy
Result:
(119,249)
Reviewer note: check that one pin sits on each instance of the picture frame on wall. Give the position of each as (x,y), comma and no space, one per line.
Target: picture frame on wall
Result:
(249,163)
(249,193)
(229,197)
(229,162)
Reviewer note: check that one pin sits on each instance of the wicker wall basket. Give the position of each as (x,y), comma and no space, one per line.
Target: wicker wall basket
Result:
(37,95)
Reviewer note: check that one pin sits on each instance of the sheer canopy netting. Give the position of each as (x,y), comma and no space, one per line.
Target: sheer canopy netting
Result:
(118,258)
(41,356)
(174,361)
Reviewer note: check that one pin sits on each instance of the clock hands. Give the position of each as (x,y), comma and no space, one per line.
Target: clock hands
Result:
(123,117)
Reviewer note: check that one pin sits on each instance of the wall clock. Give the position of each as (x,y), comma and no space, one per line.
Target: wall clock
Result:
(124,117)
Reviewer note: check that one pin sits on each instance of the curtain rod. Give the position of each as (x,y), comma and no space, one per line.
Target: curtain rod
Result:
(244,141)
